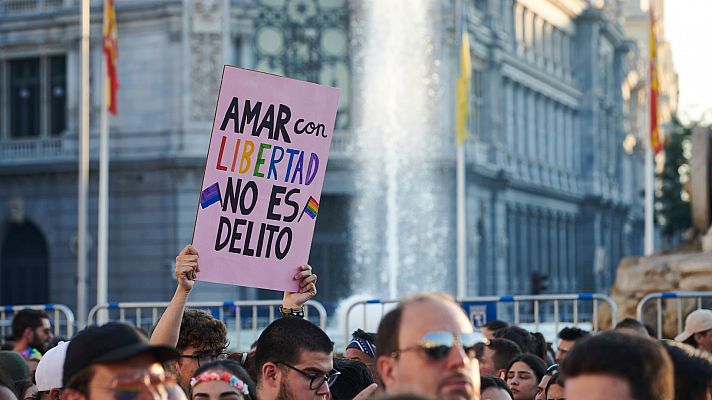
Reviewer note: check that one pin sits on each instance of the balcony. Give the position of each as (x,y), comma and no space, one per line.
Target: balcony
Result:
(24,7)
(34,150)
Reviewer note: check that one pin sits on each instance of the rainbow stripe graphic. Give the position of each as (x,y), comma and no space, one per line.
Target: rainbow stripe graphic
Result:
(312,208)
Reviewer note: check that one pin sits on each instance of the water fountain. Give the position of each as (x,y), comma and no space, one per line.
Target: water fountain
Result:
(403,218)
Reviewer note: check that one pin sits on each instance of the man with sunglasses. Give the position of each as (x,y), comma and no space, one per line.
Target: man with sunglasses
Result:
(30,330)
(293,360)
(115,361)
(425,346)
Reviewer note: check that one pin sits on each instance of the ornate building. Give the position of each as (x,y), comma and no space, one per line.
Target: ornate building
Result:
(546,171)
(546,164)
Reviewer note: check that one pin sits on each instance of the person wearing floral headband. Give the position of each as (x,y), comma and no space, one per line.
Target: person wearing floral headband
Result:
(221,380)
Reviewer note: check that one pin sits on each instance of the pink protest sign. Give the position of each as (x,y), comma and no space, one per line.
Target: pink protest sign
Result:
(263,177)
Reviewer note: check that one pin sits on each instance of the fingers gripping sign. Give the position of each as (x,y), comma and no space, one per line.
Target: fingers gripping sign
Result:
(187,268)
(307,288)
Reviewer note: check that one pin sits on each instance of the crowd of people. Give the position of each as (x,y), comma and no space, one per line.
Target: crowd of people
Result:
(425,348)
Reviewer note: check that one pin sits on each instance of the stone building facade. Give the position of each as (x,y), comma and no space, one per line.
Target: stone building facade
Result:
(549,186)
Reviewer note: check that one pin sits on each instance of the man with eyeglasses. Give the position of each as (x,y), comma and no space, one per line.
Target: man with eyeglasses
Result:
(293,361)
(115,361)
(196,335)
(425,346)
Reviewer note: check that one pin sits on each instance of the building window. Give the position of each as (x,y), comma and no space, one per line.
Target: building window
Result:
(519,25)
(477,104)
(36,97)
(318,53)
(57,95)
(24,98)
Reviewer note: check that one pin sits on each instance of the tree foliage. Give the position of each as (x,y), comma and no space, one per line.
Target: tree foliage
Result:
(673,210)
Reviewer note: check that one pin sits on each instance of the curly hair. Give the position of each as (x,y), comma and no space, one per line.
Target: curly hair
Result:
(200,330)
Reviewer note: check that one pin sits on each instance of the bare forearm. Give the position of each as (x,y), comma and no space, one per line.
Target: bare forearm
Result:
(168,327)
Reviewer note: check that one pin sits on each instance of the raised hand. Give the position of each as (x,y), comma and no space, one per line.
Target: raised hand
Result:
(187,268)
(307,288)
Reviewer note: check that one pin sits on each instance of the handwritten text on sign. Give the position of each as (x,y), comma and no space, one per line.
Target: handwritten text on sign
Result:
(263,178)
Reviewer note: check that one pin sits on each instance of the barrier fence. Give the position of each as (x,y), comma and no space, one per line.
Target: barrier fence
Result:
(244,319)
(533,311)
(60,316)
(699,299)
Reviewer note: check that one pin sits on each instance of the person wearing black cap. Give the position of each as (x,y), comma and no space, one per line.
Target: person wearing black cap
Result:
(114,359)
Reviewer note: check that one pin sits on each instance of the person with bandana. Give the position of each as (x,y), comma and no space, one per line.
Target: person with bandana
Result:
(362,348)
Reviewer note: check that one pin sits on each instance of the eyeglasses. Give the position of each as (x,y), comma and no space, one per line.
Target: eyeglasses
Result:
(315,381)
(206,356)
(437,345)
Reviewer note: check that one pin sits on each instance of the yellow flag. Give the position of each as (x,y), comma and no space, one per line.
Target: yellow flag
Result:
(656,142)
(462,91)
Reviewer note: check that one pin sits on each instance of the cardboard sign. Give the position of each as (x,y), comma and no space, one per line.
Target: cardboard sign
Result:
(263,177)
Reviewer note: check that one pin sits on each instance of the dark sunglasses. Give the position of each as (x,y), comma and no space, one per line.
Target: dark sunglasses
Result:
(437,345)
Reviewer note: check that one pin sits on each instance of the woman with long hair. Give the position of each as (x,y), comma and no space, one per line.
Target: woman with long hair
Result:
(524,374)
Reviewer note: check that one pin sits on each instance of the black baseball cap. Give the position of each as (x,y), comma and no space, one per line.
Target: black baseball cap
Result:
(109,343)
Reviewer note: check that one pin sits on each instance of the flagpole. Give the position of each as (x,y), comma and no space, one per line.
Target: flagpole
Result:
(461,232)
(83,170)
(649,244)
(103,222)
(649,200)
(460,185)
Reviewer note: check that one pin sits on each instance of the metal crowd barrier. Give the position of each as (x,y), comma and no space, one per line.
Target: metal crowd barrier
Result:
(536,310)
(239,316)
(679,298)
(60,316)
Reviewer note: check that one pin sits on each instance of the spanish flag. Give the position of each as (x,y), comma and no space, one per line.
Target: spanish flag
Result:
(111,54)
(462,90)
(656,142)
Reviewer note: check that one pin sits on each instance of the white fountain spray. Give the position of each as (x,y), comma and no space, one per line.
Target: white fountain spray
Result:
(402,219)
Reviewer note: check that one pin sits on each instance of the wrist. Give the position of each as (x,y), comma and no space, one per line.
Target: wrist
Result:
(181,292)
(291,304)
